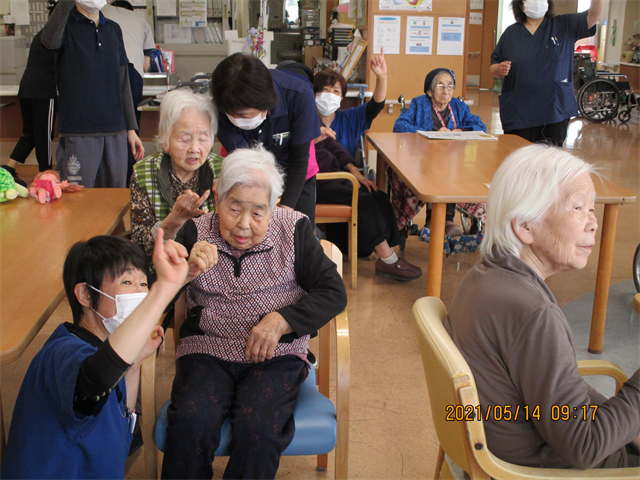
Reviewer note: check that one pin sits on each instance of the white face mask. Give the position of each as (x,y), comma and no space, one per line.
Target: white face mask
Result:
(535,9)
(327,103)
(125,305)
(247,123)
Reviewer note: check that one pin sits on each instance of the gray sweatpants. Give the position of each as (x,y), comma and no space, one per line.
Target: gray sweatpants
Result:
(99,162)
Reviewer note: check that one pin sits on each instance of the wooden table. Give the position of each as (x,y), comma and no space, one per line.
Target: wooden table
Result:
(34,240)
(442,171)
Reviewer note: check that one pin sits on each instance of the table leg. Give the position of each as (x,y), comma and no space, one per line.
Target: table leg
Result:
(603,278)
(436,247)
(3,441)
(381,173)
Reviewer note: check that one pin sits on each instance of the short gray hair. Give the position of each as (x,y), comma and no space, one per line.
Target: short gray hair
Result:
(177,101)
(251,167)
(529,182)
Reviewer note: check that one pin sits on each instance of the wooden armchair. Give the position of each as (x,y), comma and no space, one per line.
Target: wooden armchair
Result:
(450,382)
(330,213)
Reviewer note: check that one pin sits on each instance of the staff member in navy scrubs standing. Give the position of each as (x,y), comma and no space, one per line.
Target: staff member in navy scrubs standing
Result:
(258,105)
(535,58)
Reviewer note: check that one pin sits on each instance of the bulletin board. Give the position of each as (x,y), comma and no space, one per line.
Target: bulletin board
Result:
(406,73)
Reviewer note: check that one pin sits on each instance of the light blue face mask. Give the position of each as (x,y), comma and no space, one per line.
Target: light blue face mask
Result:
(125,305)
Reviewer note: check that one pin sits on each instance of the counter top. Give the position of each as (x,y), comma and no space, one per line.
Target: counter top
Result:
(630,64)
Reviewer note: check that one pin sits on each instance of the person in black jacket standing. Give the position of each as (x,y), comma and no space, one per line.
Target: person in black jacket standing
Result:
(38,104)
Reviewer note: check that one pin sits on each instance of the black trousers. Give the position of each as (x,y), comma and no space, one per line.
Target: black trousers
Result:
(376,220)
(553,133)
(38,118)
(307,199)
(136,82)
(259,398)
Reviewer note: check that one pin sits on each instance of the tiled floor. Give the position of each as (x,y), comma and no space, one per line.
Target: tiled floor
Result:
(391,431)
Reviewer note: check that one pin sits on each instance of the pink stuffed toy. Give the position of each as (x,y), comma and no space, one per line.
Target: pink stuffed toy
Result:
(47,186)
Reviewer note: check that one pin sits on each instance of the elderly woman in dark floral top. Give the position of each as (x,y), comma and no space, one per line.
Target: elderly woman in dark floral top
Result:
(174,184)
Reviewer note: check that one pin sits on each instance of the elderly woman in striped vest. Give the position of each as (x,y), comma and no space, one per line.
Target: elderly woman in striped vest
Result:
(260,285)
(174,184)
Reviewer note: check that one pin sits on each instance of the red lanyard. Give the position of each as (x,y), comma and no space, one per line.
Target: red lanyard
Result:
(453,117)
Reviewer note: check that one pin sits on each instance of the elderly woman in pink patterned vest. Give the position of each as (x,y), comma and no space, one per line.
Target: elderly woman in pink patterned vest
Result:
(261,285)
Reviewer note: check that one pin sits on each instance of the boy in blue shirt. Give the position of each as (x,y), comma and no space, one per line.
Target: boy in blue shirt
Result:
(74,415)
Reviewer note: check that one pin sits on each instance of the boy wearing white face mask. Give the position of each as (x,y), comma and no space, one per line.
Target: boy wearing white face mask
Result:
(535,58)
(74,415)
(97,121)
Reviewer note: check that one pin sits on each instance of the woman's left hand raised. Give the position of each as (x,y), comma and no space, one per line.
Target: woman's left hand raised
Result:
(378,64)
(203,256)
(264,337)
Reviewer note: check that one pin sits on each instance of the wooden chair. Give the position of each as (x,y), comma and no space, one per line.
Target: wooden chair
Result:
(329,213)
(318,430)
(450,382)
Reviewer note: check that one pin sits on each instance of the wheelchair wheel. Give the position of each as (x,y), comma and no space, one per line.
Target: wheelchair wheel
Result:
(599,100)
(624,116)
(636,269)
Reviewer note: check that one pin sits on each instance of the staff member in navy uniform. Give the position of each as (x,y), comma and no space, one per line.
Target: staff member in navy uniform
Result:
(258,105)
(535,58)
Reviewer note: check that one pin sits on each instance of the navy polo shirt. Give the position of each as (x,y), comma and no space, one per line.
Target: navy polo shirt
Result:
(294,120)
(88,76)
(48,437)
(539,87)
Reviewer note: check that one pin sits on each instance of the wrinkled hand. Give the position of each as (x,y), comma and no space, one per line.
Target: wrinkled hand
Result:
(155,340)
(364,181)
(504,68)
(136,145)
(326,132)
(187,206)
(204,255)
(444,129)
(264,337)
(169,260)
(378,64)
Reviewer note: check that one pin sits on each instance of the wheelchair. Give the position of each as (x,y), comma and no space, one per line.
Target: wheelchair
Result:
(603,95)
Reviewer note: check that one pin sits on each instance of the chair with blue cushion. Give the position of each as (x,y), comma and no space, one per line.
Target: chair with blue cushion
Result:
(319,425)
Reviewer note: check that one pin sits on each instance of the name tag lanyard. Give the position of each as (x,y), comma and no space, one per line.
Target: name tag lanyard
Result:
(453,117)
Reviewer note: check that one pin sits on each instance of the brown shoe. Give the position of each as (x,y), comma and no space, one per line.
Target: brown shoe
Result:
(401,270)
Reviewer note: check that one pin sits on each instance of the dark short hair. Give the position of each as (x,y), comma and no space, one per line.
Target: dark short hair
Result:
(122,4)
(521,17)
(242,81)
(91,261)
(328,78)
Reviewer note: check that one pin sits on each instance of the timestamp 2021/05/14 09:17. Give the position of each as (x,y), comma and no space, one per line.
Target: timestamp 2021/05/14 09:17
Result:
(515,412)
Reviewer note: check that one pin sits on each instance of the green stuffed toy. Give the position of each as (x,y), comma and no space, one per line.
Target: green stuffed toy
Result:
(9,190)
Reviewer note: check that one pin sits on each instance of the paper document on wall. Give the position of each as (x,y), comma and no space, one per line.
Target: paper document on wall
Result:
(174,33)
(193,13)
(450,36)
(457,135)
(414,5)
(166,8)
(476,5)
(419,36)
(475,18)
(20,12)
(386,34)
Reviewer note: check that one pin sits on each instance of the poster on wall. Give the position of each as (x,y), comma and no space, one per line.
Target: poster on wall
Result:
(475,18)
(386,34)
(193,13)
(450,36)
(412,5)
(166,8)
(20,11)
(419,36)
(476,5)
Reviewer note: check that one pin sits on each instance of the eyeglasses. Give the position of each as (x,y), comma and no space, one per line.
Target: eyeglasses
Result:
(441,87)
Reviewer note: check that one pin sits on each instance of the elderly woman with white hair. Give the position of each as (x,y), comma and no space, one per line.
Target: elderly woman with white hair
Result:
(174,184)
(261,286)
(510,329)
